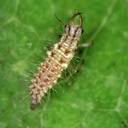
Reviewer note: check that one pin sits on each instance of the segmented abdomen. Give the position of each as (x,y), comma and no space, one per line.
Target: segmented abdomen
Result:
(49,72)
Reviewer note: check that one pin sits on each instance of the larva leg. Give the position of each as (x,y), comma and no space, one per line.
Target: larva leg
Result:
(77,70)
(85,45)
(49,48)
(73,69)
(59,36)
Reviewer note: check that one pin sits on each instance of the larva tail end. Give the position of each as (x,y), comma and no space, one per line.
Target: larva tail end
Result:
(32,106)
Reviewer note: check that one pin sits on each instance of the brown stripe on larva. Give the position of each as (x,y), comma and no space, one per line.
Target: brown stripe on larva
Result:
(58,59)
(69,30)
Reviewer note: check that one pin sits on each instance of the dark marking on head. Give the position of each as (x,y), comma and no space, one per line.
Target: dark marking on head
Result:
(69,30)
(82,31)
(75,31)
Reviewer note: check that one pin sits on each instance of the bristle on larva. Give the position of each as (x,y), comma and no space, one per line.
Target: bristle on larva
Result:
(58,60)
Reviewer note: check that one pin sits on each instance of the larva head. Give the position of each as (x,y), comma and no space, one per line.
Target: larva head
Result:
(72,29)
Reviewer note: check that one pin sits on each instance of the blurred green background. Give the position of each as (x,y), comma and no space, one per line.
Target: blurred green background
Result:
(97,97)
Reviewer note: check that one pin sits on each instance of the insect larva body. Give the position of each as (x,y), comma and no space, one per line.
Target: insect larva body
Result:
(58,60)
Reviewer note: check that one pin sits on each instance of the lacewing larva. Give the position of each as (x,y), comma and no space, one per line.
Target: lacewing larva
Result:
(58,59)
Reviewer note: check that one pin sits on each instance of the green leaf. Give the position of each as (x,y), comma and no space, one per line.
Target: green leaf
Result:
(94,98)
